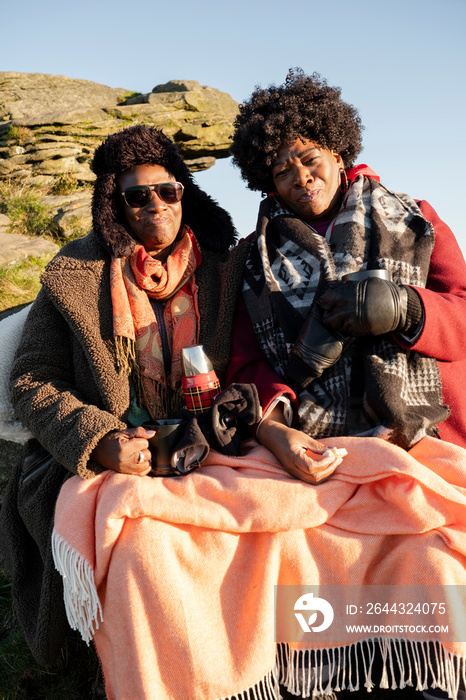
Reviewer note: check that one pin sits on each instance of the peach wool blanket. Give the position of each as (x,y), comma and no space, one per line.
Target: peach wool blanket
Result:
(178,580)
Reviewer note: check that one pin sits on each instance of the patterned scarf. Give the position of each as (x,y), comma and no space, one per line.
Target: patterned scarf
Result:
(377,387)
(137,334)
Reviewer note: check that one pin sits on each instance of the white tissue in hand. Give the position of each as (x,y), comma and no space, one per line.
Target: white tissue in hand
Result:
(336,452)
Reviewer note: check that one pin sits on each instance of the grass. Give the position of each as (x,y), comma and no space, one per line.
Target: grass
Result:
(17,135)
(65,184)
(20,283)
(127,96)
(127,120)
(75,677)
(21,202)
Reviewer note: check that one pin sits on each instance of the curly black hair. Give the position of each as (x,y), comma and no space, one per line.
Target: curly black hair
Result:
(304,106)
(139,145)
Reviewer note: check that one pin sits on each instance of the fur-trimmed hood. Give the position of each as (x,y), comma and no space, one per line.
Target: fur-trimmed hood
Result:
(139,145)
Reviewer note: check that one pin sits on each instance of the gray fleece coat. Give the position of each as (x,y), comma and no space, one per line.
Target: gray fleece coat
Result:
(68,391)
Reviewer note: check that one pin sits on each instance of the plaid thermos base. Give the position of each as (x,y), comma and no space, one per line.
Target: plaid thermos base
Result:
(200,391)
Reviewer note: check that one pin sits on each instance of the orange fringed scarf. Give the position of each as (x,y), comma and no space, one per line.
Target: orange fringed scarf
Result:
(137,336)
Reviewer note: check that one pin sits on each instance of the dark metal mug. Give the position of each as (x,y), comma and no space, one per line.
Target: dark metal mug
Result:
(168,432)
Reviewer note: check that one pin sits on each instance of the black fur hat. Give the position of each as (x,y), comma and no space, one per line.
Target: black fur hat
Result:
(140,145)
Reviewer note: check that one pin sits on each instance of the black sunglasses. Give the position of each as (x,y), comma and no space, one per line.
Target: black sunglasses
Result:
(140,195)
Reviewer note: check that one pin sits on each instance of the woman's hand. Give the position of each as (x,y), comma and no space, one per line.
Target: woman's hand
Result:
(120,451)
(295,450)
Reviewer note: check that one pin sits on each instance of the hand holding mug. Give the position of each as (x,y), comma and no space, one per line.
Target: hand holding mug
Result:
(125,451)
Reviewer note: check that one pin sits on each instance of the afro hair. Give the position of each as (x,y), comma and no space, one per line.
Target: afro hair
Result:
(304,106)
(141,145)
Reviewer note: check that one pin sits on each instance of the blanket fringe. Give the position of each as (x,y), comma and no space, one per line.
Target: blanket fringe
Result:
(308,673)
(319,673)
(82,603)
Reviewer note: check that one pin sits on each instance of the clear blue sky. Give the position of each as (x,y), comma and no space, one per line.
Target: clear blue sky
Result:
(402,63)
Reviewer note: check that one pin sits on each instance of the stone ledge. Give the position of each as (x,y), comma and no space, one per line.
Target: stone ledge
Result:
(52,124)
(14,248)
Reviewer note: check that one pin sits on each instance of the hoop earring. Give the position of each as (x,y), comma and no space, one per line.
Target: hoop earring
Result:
(343,181)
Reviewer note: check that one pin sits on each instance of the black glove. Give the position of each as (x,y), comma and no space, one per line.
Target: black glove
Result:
(236,406)
(220,426)
(316,348)
(373,306)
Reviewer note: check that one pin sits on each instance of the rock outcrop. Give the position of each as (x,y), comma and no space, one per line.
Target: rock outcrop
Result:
(50,125)
(14,248)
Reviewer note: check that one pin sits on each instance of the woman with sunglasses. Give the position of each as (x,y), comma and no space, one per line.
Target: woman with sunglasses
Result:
(101,348)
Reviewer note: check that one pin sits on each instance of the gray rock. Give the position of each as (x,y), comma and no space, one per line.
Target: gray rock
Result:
(41,180)
(5,222)
(177,86)
(52,124)
(74,221)
(25,94)
(72,212)
(14,248)
(197,164)
(55,202)
(6,168)
(33,156)
(60,166)
(74,116)
(51,145)
(188,132)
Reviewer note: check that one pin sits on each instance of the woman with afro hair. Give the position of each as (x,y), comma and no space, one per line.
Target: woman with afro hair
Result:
(324,335)
(353,310)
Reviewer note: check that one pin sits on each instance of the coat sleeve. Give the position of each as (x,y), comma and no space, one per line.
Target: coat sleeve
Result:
(248,363)
(444,298)
(44,393)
